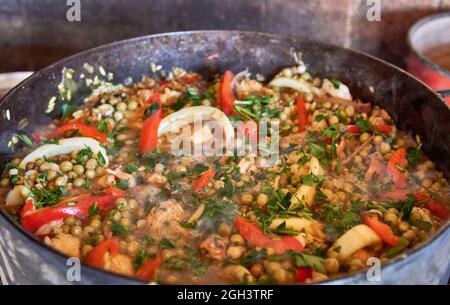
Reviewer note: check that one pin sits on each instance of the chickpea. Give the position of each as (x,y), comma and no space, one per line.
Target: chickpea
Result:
(377,140)
(331,265)
(218,184)
(237,239)
(126,222)
(356,264)
(247,198)
(132,105)
(133,247)
(91,164)
(88,231)
(224,229)
(271,267)
(159,168)
(235,252)
(66,229)
(95,224)
(30,165)
(350,111)
(121,203)
(280,276)
(423,235)
(86,250)
(70,221)
(133,204)
(403,226)
(409,235)
(78,169)
(122,107)
(51,175)
(385,148)
(39,161)
(317,276)
(117,216)
(72,175)
(76,231)
(44,167)
(66,166)
(391,218)
(78,182)
(90,174)
(256,270)
(364,137)
(262,200)
(333,120)
(61,181)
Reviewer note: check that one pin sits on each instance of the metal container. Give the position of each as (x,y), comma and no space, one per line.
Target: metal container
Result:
(428,34)
(411,104)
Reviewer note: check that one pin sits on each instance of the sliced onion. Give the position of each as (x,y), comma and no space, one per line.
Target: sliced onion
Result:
(238,77)
(189,115)
(353,240)
(341,92)
(296,84)
(65,146)
(14,197)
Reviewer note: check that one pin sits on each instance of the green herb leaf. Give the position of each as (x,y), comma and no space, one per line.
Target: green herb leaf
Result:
(93,209)
(165,244)
(118,229)
(26,139)
(336,83)
(67,110)
(122,184)
(85,152)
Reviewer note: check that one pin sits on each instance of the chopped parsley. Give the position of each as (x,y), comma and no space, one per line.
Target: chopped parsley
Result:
(93,209)
(122,184)
(118,229)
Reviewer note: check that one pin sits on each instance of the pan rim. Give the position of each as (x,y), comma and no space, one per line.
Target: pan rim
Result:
(14,226)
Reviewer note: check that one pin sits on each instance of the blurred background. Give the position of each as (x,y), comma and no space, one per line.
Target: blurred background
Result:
(35,33)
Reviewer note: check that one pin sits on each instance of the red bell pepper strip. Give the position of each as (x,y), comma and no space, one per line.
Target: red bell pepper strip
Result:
(149,131)
(84,129)
(147,271)
(253,234)
(381,229)
(33,219)
(226,95)
(398,159)
(435,207)
(302,274)
(302,114)
(383,128)
(250,129)
(96,256)
(204,179)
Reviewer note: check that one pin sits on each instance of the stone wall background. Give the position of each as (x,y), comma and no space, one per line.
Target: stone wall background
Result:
(35,33)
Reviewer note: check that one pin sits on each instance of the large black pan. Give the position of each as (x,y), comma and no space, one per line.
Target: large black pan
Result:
(412,105)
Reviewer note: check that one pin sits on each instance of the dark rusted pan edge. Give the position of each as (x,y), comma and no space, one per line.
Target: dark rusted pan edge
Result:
(266,42)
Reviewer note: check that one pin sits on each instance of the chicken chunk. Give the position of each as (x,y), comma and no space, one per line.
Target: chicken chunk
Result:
(215,247)
(67,244)
(120,263)
(164,221)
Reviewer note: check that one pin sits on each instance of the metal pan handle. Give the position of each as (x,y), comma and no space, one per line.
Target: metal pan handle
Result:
(444,93)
